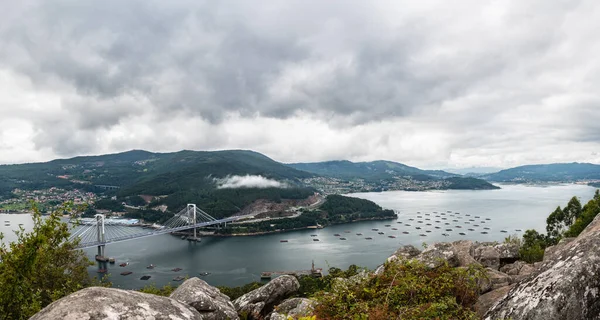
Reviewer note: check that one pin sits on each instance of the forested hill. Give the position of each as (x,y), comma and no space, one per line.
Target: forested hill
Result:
(392,175)
(562,172)
(374,170)
(179,177)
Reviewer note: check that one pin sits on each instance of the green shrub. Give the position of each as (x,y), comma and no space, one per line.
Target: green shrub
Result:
(164,291)
(40,267)
(405,290)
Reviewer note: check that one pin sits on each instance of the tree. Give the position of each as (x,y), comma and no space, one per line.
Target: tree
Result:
(572,211)
(40,267)
(555,225)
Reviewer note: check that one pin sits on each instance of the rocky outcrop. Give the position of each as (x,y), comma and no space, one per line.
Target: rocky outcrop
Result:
(486,301)
(518,268)
(405,252)
(106,303)
(294,308)
(206,299)
(508,252)
(437,254)
(550,252)
(566,287)
(487,256)
(260,302)
(494,279)
(464,251)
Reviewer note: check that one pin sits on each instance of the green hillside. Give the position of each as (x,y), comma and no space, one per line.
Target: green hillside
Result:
(181,177)
(559,172)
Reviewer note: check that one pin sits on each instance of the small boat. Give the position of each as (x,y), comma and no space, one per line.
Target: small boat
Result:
(417,228)
(482,222)
(458,227)
(369,238)
(346,231)
(203,274)
(381,232)
(437,227)
(444,218)
(484,232)
(488,219)
(437,221)
(313,235)
(182,237)
(428,224)
(477,217)
(462,233)
(400,222)
(445,234)
(454,220)
(405,232)
(449,211)
(448,229)
(111,260)
(392,237)
(503,231)
(427,219)
(471,229)
(472,220)
(419,217)
(176,269)
(468,215)
(475,225)
(283,240)
(428,231)
(420,221)
(145,277)
(427,214)
(443,214)
(418,211)
(435,212)
(411,219)
(178,278)
(342,238)
(447,223)
(336,235)
(486,228)
(315,239)
(423,235)
(407,225)
(151,266)
(388,225)
(375,229)
(102,270)
(359,234)
(126,273)
(124,264)
(519,230)
(467,222)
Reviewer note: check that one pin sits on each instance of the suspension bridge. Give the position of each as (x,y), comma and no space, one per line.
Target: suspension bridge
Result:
(99,232)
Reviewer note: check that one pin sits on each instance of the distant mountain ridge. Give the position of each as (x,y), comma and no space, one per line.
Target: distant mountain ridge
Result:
(380,169)
(555,172)
(394,174)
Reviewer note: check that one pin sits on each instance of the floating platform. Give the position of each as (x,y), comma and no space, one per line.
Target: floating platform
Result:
(126,273)
(145,277)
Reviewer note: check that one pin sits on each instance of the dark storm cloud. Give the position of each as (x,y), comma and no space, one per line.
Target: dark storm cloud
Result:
(416,80)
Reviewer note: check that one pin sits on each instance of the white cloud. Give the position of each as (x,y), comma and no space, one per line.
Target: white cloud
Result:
(248,181)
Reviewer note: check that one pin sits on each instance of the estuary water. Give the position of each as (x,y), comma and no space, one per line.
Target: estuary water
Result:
(239,260)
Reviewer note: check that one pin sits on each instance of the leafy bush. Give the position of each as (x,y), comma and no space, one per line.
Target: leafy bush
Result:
(236,292)
(405,290)
(40,267)
(164,291)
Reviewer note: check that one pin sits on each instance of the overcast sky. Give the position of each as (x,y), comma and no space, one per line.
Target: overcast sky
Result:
(434,84)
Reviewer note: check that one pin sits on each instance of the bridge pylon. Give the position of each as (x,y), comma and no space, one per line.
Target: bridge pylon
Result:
(191,213)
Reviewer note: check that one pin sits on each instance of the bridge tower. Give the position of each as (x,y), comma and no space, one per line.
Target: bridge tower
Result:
(101,237)
(191,211)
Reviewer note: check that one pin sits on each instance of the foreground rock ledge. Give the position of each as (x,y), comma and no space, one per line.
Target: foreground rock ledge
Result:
(97,303)
(566,288)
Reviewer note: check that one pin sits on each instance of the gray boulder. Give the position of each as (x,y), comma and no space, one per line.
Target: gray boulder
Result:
(494,279)
(566,287)
(464,251)
(340,284)
(106,303)
(550,252)
(437,254)
(403,253)
(206,299)
(487,256)
(518,268)
(486,301)
(508,252)
(260,302)
(295,308)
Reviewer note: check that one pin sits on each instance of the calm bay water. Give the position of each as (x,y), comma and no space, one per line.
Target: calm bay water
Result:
(239,260)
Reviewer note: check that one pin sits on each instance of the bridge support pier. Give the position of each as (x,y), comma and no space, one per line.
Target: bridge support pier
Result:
(191,211)
(102,260)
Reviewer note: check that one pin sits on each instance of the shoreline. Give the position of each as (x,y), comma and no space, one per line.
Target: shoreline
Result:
(295,229)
